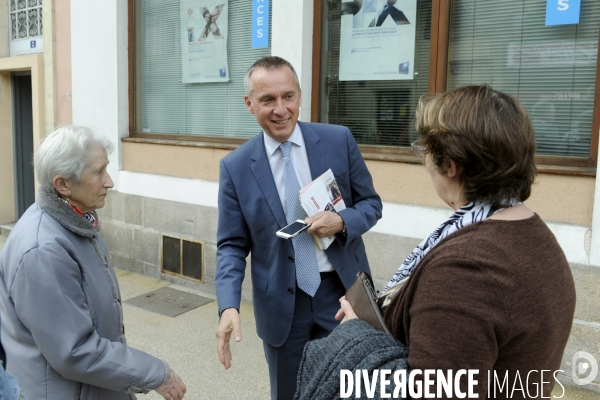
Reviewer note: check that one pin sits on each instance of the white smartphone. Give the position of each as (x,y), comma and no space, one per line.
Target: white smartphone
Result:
(293,229)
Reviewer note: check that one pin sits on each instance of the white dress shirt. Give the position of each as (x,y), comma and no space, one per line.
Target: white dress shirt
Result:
(302,169)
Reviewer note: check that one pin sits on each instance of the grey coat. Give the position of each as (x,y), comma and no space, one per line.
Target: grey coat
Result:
(62,319)
(353,345)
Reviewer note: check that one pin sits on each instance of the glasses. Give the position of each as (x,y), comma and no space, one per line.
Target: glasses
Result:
(418,148)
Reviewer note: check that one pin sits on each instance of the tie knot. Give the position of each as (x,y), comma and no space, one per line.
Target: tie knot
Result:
(286,147)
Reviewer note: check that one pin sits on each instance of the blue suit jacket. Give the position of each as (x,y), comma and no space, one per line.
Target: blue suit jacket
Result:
(250,212)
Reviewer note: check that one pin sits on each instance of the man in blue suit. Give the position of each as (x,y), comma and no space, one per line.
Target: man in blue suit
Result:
(295,286)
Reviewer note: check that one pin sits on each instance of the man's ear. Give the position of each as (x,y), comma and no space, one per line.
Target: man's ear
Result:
(454,170)
(62,186)
(248,104)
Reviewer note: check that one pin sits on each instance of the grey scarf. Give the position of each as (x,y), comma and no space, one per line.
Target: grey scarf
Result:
(49,202)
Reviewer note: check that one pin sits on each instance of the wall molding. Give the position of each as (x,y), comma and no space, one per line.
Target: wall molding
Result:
(418,221)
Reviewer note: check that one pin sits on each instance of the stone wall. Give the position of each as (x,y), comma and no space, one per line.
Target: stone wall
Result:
(132,227)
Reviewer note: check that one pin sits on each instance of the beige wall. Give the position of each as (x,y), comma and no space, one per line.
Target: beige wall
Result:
(4,29)
(7,194)
(49,43)
(62,62)
(556,198)
(563,198)
(180,161)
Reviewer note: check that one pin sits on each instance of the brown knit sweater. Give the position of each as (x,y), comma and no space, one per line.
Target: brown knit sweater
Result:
(495,296)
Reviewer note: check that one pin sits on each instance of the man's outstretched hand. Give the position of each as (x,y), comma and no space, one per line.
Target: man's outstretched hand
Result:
(229,324)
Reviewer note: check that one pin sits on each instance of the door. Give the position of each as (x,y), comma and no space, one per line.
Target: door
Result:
(23,140)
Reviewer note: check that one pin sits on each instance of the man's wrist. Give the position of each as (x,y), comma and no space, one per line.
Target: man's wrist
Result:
(228,308)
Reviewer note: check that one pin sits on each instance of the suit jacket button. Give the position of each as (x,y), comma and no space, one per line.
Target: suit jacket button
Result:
(291,290)
(291,258)
(352,241)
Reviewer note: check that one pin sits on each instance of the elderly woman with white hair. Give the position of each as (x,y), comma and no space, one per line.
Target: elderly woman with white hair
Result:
(62,318)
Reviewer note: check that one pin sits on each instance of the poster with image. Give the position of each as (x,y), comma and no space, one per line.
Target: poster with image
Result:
(377,40)
(204,41)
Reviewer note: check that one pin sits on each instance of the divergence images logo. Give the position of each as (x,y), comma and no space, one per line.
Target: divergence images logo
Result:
(583,364)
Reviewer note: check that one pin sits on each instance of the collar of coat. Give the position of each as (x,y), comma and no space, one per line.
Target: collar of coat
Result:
(49,202)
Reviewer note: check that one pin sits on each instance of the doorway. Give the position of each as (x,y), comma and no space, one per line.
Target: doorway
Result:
(23,141)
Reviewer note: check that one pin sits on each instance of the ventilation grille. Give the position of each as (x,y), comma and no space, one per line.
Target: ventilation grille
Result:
(183,258)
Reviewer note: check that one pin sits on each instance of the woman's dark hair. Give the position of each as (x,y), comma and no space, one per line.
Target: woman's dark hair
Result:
(485,132)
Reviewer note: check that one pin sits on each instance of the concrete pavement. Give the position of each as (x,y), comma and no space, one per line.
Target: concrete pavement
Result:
(187,342)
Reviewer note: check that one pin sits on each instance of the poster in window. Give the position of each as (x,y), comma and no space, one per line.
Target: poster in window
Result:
(377,40)
(204,41)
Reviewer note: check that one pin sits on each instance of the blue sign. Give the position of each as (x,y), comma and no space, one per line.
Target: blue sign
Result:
(562,12)
(260,23)
(32,44)
(403,67)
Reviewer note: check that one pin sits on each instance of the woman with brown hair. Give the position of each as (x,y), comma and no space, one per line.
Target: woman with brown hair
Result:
(490,289)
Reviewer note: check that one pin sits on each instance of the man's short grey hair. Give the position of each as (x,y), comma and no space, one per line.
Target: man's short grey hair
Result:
(268,62)
(64,153)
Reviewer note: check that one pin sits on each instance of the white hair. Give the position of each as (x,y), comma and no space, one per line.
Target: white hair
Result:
(64,153)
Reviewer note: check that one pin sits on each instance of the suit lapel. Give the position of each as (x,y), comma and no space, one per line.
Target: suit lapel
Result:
(314,152)
(262,173)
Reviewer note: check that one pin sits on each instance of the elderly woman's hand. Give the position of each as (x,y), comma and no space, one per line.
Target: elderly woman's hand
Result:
(346,312)
(173,388)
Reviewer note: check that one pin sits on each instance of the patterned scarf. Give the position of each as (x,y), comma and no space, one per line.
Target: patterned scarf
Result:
(89,216)
(466,215)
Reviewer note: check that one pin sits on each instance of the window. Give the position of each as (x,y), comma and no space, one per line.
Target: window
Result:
(25,27)
(166,105)
(550,69)
(377,112)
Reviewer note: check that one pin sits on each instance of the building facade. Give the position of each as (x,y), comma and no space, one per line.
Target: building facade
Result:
(117,65)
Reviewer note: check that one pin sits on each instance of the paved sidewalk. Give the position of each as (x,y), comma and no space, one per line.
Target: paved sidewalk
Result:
(187,342)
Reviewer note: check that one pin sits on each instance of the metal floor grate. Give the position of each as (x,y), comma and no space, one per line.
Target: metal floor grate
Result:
(168,301)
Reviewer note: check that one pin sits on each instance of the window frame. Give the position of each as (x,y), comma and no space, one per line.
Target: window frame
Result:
(438,67)
(438,64)
(135,101)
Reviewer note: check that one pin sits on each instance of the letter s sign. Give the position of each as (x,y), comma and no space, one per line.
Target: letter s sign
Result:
(563,5)
(562,12)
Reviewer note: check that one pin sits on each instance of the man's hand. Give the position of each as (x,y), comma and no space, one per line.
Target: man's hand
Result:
(230,323)
(325,224)
(346,312)
(173,388)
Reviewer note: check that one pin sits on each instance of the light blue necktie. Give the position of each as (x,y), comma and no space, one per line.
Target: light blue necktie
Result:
(307,269)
